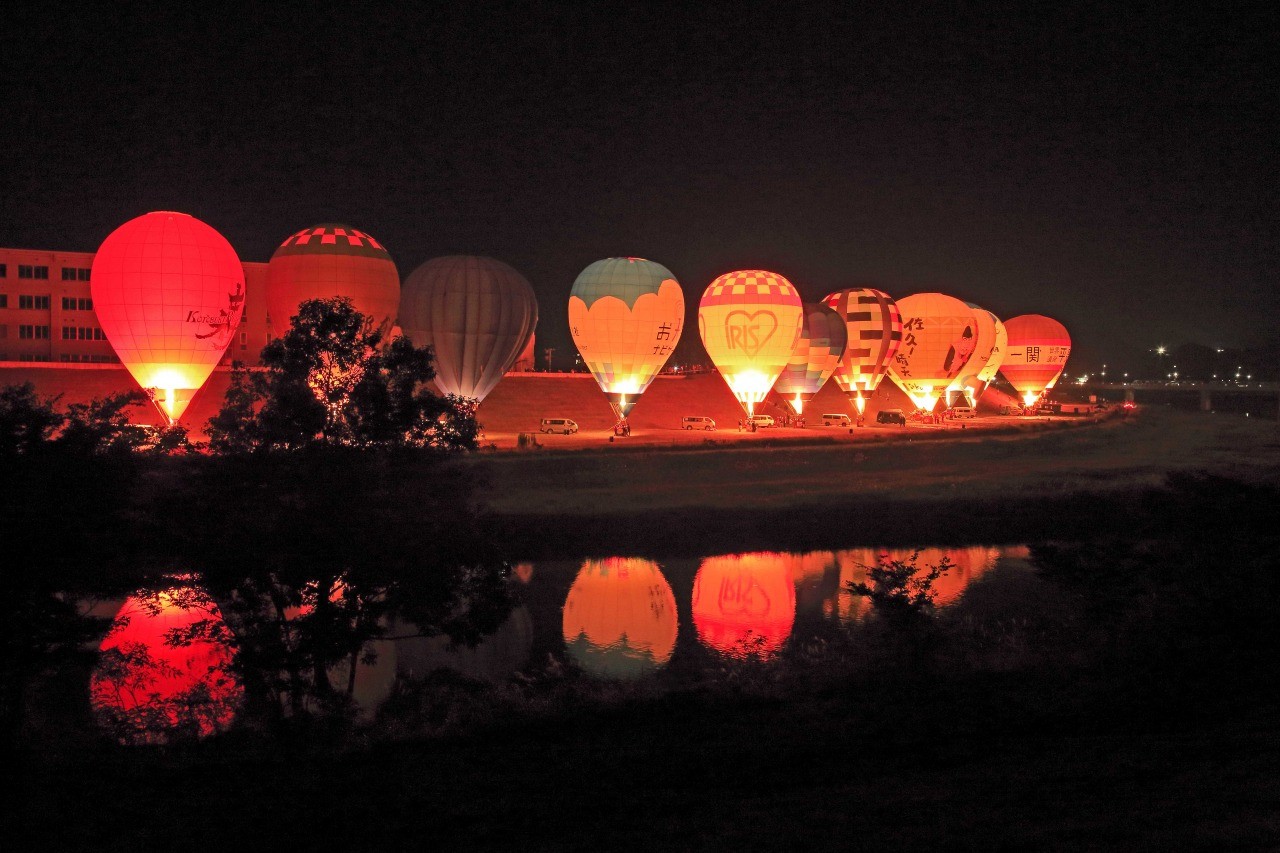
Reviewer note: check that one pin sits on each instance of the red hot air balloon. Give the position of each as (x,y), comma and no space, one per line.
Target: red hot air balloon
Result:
(477,313)
(1038,351)
(169,292)
(875,333)
(328,261)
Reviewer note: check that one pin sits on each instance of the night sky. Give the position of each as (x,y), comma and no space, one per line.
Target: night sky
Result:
(1113,169)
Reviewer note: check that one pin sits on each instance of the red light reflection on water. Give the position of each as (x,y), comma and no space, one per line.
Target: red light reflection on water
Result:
(164,670)
(745,604)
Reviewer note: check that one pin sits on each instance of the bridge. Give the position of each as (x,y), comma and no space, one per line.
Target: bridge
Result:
(1262,398)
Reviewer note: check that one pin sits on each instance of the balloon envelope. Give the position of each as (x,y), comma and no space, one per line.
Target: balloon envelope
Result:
(939,335)
(477,313)
(620,618)
(874,328)
(626,315)
(822,342)
(328,261)
(1038,350)
(750,321)
(970,380)
(169,293)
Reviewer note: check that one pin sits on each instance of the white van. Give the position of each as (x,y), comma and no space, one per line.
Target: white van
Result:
(561,425)
(761,420)
(697,422)
(839,419)
(962,412)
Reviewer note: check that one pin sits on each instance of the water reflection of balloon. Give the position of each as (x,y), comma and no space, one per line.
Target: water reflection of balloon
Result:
(620,618)
(874,329)
(478,314)
(1038,351)
(967,565)
(750,321)
(164,669)
(328,261)
(939,335)
(745,604)
(625,315)
(817,353)
(168,291)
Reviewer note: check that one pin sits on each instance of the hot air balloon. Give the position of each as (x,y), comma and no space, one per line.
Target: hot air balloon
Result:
(1038,351)
(145,689)
(620,618)
(875,332)
(745,604)
(626,315)
(817,353)
(328,261)
(750,321)
(169,293)
(998,352)
(939,335)
(477,313)
(970,381)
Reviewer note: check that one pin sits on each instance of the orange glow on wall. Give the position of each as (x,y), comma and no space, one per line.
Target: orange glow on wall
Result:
(146,689)
(626,316)
(1038,350)
(750,321)
(478,314)
(620,618)
(745,604)
(327,261)
(169,292)
(939,335)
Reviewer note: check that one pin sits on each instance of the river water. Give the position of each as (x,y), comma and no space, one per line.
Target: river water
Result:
(614,618)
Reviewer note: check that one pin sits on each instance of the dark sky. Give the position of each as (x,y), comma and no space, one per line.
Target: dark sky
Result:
(1113,169)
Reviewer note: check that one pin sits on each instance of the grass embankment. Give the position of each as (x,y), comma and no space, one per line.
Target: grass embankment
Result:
(1005,488)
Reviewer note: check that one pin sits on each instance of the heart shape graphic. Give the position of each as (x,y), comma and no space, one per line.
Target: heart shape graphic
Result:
(743,331)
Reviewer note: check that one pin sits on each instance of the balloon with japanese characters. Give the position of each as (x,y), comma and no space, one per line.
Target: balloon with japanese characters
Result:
(1038,350)
(625,315)
(750,321)
(939,335)
(169,293)
(817,353)
(874,329)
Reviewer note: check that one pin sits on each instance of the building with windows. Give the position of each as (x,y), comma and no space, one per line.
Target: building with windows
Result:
(46,311)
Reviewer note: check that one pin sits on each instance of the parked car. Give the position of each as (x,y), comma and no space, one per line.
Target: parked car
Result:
(962,412)
(891,416)
(837,419)
(697,422)
(760,421)
(560,425)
